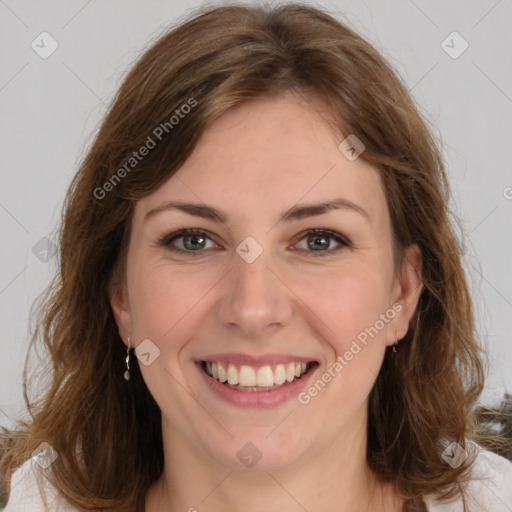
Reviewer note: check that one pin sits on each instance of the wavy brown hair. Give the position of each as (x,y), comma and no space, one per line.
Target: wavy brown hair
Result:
(219,57)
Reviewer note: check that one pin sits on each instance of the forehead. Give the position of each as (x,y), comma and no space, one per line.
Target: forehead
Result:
(271,152)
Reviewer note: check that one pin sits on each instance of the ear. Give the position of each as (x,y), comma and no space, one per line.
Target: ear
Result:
(407,290)
(121,309)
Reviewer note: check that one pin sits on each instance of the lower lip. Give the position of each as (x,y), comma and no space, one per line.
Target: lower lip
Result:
(258,399)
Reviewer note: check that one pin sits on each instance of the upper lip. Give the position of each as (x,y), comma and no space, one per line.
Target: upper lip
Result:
(256,361)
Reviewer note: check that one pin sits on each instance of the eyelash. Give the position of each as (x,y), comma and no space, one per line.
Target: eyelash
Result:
(166,241)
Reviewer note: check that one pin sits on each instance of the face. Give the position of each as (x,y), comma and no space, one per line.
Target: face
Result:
(251,292)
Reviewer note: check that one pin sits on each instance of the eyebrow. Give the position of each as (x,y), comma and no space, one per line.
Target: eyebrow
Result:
(295,213)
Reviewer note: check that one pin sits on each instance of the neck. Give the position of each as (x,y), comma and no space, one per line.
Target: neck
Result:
(335,478)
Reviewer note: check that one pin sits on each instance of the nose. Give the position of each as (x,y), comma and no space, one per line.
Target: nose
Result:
(254,299)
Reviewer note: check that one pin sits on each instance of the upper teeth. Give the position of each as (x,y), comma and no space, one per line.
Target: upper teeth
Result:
(263,376)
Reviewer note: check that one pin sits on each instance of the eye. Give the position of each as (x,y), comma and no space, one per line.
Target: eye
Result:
(191,241)
(319,241)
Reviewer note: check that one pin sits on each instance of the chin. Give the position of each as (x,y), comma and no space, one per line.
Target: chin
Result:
(258,452)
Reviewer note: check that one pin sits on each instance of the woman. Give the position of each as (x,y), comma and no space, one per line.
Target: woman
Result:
(263,218)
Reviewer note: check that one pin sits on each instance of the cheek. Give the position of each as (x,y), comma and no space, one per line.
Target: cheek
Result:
(347,300)
(162,298)
(350,305)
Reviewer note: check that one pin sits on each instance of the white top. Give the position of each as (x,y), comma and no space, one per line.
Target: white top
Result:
(490,490)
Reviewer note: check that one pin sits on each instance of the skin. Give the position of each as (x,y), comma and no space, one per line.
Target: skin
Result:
(255,161)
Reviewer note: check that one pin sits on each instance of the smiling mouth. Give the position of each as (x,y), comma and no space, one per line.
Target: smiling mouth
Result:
(255,379)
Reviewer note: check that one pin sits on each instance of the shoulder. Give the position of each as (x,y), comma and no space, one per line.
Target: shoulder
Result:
(28,485)
(489,489)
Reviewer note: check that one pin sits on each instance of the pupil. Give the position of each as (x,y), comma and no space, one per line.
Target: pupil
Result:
(321,241)
(194,246)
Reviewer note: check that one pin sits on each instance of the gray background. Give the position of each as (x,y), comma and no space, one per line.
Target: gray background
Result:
(50,109)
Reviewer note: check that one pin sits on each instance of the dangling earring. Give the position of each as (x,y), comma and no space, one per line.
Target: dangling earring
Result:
(394,346)
(127,372)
